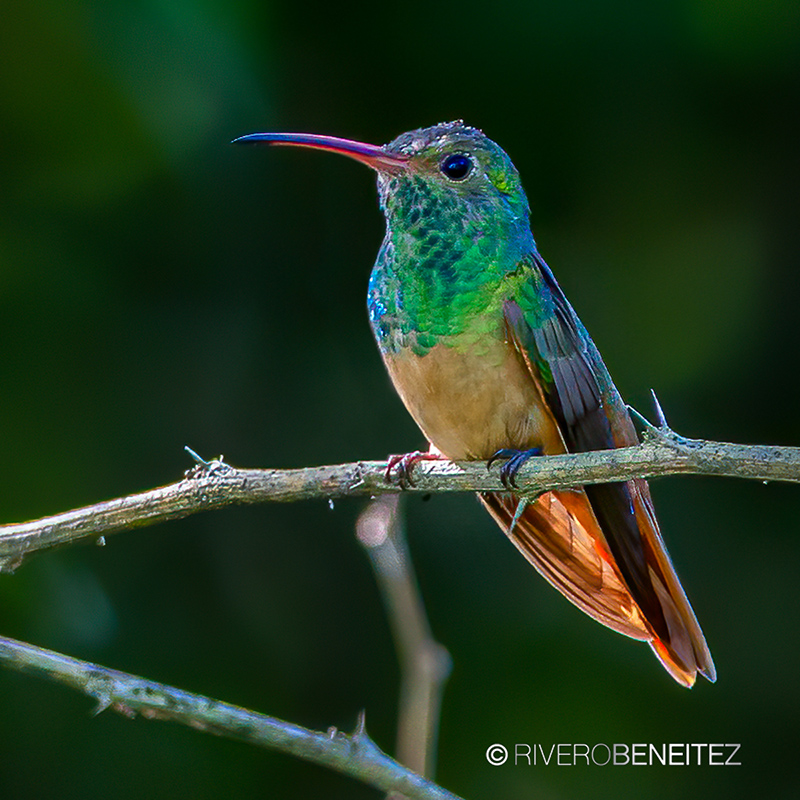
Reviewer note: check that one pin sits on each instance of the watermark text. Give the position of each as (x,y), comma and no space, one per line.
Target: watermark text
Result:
(640,754)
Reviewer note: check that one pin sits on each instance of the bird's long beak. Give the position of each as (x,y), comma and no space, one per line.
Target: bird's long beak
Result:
(369,154)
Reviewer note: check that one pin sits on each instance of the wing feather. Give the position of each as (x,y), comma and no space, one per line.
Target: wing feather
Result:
(599,546)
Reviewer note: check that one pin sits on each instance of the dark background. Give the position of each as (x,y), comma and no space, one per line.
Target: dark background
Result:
(160,288)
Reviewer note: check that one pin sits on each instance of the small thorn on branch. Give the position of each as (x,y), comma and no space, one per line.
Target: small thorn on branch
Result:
(660,418)
(523,503)
(201,465)
(361,726)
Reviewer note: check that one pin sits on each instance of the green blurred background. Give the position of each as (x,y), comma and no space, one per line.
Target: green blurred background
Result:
(160,288)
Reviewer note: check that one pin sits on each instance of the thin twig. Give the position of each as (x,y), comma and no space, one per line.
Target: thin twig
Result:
(424,663)
(353,754)
(217,484)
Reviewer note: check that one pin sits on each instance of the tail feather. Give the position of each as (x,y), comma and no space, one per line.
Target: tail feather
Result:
(560,536)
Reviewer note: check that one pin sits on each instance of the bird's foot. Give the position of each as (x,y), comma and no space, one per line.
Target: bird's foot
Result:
(399,467)
(514,460)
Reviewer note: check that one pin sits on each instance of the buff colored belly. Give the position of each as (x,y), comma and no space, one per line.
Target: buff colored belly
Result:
(470,403)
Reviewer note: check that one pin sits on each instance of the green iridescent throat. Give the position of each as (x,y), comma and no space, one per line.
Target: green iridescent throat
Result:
(442,264)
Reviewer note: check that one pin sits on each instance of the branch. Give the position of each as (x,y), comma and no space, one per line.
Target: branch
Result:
(355,755)
(424,663)
(216,484)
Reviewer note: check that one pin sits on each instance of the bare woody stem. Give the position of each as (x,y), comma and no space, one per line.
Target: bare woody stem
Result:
(217,484)
(351,754)
(424,663)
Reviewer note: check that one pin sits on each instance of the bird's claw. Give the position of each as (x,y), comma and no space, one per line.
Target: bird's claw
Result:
(399,467)
(514,460)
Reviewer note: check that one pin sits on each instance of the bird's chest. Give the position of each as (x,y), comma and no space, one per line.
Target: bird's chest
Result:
(472,395)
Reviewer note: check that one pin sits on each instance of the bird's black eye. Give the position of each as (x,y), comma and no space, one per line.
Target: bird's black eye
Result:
(456,167)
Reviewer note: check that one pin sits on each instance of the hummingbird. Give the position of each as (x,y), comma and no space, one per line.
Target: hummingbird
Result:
(492,363)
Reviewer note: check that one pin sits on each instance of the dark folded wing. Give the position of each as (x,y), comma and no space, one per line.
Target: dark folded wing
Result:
(590,413)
